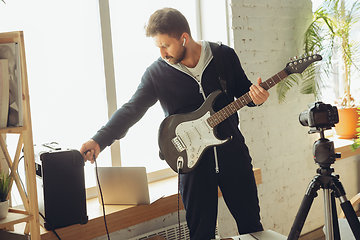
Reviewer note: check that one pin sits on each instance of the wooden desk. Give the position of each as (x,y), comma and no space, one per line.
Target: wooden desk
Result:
(123,216)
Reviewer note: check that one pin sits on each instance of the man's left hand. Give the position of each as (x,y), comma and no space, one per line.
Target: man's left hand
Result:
(258,94)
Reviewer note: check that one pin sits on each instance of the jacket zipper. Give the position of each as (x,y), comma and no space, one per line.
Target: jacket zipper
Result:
(201,91)
(217,170)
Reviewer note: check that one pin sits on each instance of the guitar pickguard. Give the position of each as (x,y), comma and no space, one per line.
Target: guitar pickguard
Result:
(194,137)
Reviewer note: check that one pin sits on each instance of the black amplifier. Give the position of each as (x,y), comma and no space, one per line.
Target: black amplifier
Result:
(61,188)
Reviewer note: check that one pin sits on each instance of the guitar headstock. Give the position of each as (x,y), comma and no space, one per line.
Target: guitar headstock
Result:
(299,65)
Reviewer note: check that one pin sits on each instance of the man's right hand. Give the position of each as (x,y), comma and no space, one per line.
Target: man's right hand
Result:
(91,148)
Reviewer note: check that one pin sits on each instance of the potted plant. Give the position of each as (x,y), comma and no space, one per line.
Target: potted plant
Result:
(331,33)
(5,186)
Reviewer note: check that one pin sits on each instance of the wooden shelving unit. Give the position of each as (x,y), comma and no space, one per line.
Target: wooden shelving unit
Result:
(31,213)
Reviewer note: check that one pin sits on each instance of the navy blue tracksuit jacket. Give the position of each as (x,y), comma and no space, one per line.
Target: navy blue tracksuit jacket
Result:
(178,92)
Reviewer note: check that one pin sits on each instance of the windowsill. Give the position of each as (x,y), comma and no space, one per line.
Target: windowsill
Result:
(123,216)
(343,146)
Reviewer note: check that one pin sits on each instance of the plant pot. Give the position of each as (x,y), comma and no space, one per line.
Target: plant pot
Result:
(4,209)
(348,120)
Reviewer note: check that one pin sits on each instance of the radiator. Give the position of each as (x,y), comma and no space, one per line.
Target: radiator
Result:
(169,233)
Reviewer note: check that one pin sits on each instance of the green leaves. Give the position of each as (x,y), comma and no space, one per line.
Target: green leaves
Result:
(306,79)
(286,84)
(5,186)
(329,34)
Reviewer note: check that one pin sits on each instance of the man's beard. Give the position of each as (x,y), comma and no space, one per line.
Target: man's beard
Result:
(175,60)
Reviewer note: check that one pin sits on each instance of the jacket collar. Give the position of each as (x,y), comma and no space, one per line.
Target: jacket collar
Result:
(205,46)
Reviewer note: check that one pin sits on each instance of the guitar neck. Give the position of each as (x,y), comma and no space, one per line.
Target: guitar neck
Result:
(242,101)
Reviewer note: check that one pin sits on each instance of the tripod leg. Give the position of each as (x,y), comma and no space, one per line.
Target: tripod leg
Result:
(351,217)
(347,208)
(331,222)
(304,210)
(329,232)
(335,218)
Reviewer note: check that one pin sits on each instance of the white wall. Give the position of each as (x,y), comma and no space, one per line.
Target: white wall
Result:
(266,33)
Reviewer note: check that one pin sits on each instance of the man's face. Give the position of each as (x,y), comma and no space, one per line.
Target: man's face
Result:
(171,49)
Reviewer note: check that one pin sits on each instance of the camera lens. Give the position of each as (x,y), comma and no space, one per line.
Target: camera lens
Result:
(303,118)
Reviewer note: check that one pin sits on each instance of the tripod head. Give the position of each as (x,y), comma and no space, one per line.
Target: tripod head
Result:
(324,151)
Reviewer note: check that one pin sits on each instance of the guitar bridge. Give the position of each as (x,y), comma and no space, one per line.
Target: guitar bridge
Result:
(178,143)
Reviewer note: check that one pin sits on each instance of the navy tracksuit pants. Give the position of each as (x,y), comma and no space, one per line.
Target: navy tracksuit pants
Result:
(199,190)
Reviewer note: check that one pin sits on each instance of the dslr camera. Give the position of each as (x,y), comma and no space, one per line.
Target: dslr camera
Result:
(319,116)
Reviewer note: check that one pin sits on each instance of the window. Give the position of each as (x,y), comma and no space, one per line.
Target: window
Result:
(65,70)
(133,53)
(333,90)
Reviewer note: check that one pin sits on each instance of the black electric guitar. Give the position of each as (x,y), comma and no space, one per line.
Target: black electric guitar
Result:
(183,138)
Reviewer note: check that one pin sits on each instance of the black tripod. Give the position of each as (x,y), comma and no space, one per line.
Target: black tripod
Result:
(324,155)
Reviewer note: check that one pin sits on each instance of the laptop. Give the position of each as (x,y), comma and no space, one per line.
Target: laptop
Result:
(263,235)
(124,185)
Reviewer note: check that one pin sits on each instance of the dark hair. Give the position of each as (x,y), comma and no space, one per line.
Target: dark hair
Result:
(167,21)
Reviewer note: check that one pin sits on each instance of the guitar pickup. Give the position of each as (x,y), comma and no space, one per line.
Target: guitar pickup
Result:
(178,143)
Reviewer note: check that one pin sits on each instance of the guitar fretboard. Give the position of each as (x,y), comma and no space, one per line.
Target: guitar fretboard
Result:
(242,101)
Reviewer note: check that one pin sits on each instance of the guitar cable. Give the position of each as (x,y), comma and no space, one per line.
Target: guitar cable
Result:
(101,195)
(51,226)
(180,165)
(102,199)
(178,203)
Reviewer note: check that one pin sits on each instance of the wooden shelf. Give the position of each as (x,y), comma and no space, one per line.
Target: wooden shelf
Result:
(17,130)
(25,142)
(15,217)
